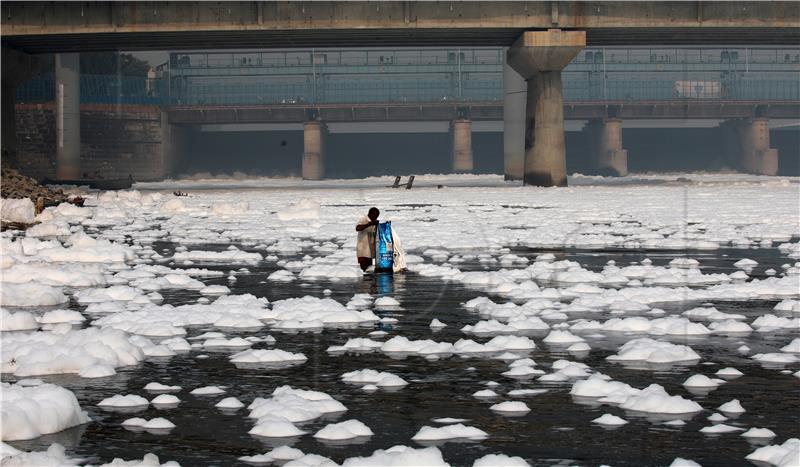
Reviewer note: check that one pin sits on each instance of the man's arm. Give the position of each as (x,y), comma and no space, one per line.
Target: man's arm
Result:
(361,227)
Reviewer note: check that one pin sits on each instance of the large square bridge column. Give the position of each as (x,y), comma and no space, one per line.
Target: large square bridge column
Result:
(461,130)
(539,56)
(68,117)
(757,157)
(746,145)
(314,134)
(514,95)
(605,138)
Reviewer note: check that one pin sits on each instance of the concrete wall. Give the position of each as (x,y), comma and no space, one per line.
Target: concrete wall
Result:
(116,141)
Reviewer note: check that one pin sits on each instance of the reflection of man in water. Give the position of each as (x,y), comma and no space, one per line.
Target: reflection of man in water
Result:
(365,244)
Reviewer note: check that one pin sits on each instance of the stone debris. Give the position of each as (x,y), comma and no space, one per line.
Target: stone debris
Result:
(16,185)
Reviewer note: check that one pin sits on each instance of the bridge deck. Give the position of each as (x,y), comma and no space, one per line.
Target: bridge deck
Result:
(71,26)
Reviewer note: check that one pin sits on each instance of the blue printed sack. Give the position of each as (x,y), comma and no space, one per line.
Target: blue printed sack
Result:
(384,248)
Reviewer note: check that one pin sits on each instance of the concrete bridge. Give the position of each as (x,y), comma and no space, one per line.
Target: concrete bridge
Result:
(68,27)
(544,37)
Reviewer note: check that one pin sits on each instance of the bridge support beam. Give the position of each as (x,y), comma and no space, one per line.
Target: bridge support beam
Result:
(745,144)
(314,135)
(606,143)
(539,56)
(461,131)
(514,92)
(757,157)
(68,117)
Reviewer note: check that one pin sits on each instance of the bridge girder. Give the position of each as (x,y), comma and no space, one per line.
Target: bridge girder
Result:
(61,26)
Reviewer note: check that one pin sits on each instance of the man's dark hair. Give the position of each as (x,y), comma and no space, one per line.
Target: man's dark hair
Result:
(373,211)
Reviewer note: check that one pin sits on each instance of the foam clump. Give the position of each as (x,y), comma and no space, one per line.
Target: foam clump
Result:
(327,311)
(344,430)
(378,378)
(226,256)
(729,372)
(610,420)
(562,338)
(457,431)
(275,416)
(31,295)
(54,456)
(229,403)
(61,316)
(681,462)
(207,391)
(311,460)
(158,387)
(32,411)
(497,460)
(124,401)
(732,407)
(386,302)
(157,424)
(97,371)
(398,456)
(654,399)
(763,433)
(783,455)
(280,454)
(403,345)
(776,358)
(653,351)
(268,356)
(510,407)
(792,347)
(702,381)
(720,428)
(19,210)
(165,399)
(19,321)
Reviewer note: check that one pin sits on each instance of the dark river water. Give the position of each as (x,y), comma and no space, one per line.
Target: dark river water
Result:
(556,431)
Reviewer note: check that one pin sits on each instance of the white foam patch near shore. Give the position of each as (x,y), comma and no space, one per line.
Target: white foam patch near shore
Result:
(32,411)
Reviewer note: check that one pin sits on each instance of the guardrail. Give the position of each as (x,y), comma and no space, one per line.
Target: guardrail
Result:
(321,58)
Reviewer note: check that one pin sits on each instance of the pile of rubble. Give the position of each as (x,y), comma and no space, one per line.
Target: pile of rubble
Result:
(16,185)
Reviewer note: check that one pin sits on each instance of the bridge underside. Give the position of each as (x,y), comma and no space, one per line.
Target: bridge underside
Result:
(341,38)
(298,113)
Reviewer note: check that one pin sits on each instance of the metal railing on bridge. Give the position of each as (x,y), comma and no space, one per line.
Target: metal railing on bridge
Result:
(322,62)
(99,89)
(131,90)
(439,75)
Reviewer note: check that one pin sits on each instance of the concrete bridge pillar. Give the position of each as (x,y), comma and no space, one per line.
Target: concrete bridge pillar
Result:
(606,142)
(17,67)
(757,157)
(514,95)
(539,56)
(314,135)
(461,130)
(68,117)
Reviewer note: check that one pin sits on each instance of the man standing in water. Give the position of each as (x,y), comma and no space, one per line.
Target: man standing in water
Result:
(365,244)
